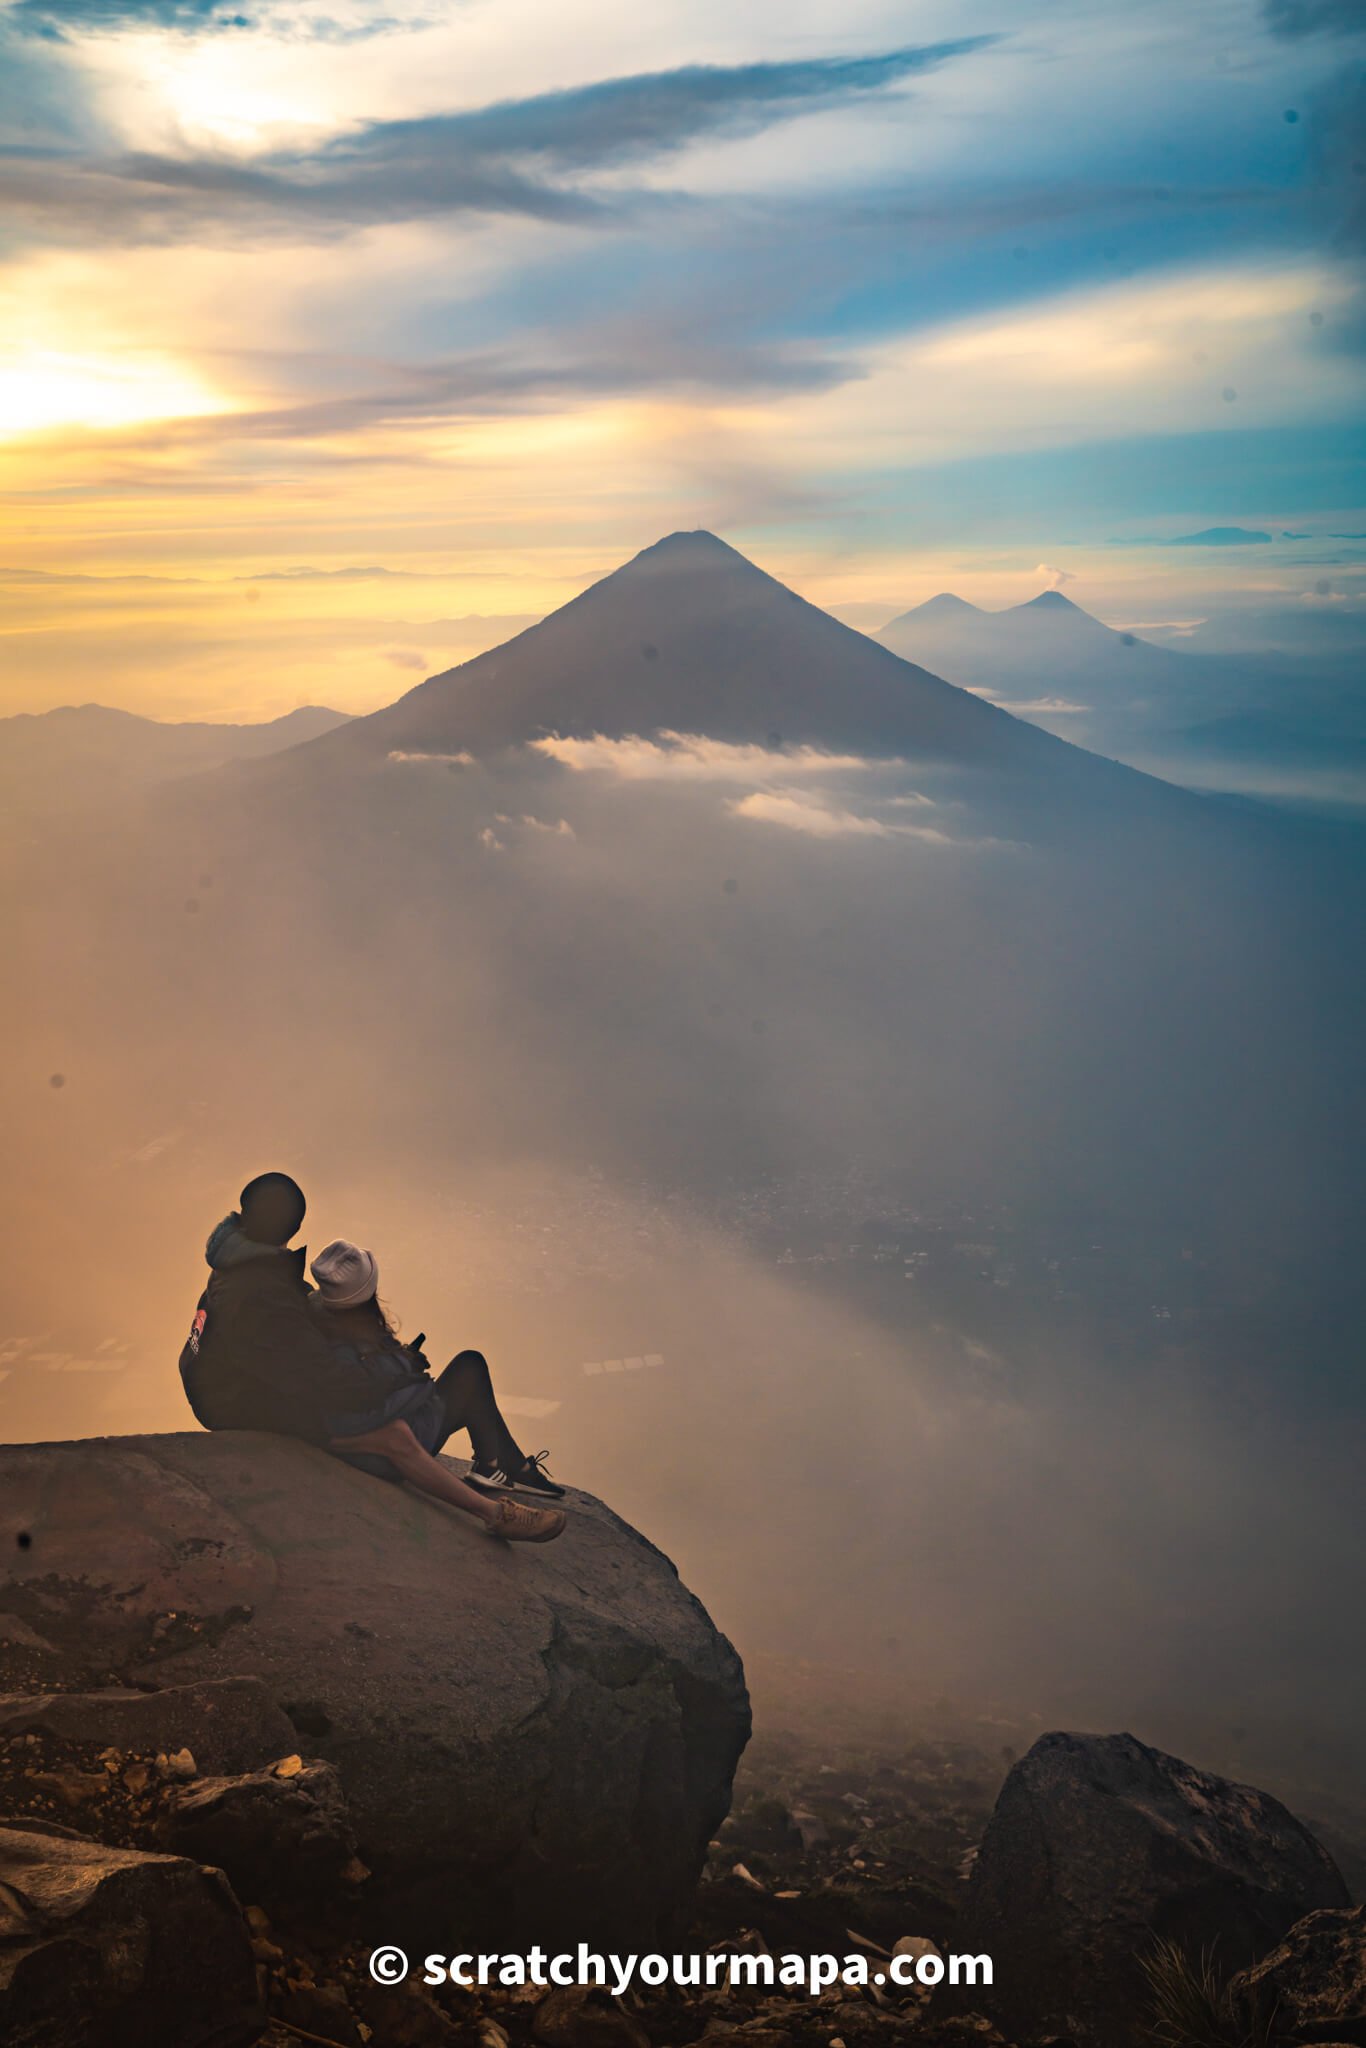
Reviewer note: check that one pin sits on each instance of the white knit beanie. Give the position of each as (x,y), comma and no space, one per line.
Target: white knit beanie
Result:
(346,1275)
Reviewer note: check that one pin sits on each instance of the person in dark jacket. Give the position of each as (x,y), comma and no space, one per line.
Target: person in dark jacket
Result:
(405,1402)
(255,1358)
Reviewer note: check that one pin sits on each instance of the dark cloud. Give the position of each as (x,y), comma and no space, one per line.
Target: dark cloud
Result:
(502,159)
(593,126)
(60,18)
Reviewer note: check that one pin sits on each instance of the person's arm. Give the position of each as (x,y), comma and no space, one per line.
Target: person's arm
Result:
(396,1442)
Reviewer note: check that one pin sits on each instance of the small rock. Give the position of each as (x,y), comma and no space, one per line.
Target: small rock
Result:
(283,1841)
(74,1788)
(811,1828)
(915,1946)
(289,1767)
(320,2009)
(403,2015)
(584,2016)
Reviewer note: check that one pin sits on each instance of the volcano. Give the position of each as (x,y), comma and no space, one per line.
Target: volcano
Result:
(690,636)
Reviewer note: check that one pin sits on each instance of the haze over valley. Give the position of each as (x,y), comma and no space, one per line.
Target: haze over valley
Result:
(794,1070)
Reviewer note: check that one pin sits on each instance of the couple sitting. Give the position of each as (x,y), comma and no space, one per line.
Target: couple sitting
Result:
(267,1352)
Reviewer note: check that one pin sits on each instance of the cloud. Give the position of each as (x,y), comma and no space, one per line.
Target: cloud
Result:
(823,821)
(62,18)
(460,760)
(1100,364)
(65,20)
(1055,578)
(498,159)
(1055,707)
(691,757)
(1181,626)
(561,829)
(617,120)
(310,575)
(1208,537)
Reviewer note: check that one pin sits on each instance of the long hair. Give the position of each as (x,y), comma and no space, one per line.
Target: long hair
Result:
(368,1325)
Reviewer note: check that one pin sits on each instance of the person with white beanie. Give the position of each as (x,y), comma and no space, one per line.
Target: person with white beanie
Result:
(407,1415)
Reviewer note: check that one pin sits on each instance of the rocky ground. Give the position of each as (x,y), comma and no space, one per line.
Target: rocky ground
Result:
(204,1746)
(843,1847)
(852,1831)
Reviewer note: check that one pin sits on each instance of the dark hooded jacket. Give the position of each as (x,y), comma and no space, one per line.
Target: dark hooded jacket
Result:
(255,1357)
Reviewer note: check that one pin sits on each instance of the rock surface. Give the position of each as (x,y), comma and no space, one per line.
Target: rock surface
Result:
(282,1841)
(540,1741)
(119,1948)
(1100,1846)
(1312,1986)
(230,1724)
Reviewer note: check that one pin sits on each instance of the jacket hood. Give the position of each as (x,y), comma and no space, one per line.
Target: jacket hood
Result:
(229,1245)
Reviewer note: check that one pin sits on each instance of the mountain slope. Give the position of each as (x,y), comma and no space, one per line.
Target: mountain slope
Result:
(82,754)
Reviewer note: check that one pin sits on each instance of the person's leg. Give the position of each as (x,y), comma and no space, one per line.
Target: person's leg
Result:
(467,1396)
(369,1462)
(396,1444)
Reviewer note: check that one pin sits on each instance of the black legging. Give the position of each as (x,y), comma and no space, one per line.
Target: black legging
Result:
(468,1399)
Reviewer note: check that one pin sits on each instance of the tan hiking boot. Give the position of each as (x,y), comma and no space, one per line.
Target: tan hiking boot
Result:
(521,1524)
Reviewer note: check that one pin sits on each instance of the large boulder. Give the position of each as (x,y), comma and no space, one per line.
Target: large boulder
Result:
(533,1741)
(111,1948)
(1312,1985)
(1098,1848)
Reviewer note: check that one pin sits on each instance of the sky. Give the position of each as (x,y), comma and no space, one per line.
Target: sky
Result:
(339,341)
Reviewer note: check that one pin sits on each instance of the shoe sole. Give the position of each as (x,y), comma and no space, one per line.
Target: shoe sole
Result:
(494,1489)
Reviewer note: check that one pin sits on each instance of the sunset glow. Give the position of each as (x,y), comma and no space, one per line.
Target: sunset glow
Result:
(368,338)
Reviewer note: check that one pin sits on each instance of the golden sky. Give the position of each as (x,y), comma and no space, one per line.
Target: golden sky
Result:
(336,345)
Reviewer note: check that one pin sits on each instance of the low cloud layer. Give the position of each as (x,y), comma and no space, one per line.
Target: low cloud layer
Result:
(827,821)
(692,757)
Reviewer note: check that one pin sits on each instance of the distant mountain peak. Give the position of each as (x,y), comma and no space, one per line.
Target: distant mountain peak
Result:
(945,605)
(1052,601)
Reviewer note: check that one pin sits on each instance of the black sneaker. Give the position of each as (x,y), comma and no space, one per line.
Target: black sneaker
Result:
(533,1478)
